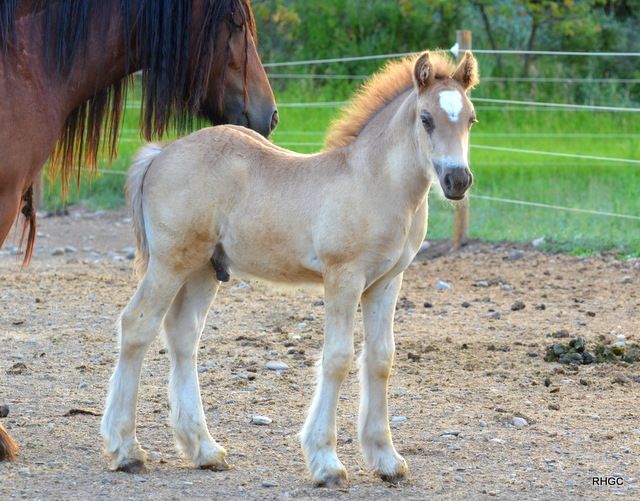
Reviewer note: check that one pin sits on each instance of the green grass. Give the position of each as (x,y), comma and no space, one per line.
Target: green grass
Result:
(569,182)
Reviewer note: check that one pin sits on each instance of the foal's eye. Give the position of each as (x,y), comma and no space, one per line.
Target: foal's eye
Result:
(427,121)
(473,120)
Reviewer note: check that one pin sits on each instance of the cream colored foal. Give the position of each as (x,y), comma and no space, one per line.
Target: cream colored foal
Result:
(351,218)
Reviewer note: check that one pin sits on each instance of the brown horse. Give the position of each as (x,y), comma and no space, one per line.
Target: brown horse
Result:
(64,67)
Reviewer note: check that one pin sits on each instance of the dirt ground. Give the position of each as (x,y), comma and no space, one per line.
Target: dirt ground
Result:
(466,362)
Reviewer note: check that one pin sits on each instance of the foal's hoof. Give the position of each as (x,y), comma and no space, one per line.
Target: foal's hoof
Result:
(393,479)
(218,466)
(333,480)
(396,474)
(134,466)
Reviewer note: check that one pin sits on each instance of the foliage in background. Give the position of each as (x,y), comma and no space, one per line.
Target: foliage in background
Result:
(311,29)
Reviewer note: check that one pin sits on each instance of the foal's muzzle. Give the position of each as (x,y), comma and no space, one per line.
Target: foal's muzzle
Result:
(455,181)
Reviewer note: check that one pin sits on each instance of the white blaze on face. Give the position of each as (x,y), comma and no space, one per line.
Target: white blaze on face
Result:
(451,103)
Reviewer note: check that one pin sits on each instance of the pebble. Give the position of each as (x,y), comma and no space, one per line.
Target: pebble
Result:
(83,385)
(268,483)
(515,255)
(4,411)
(482,283)
(483,423)
(302,325)
(129,253)
(277,366)
(70,249)
(454,447)
(465,304)
(56,251)
(458,478)
(519,422)
(517,306)
(442,285)
(455,433)
(261,420)
(537,242)
(398,419)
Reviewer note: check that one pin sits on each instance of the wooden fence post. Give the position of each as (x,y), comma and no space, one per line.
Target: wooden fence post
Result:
(461,223)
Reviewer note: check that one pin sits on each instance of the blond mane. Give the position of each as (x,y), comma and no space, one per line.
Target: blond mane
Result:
(384,86)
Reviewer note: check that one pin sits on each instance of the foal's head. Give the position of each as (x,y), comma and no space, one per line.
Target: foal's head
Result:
(443,120)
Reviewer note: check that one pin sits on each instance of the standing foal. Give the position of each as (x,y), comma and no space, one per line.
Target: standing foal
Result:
(351,218)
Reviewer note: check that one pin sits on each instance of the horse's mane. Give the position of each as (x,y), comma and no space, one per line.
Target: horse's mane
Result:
(383,87)
(156,33)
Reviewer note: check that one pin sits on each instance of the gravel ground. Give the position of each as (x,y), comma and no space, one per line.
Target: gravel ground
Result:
(477,412)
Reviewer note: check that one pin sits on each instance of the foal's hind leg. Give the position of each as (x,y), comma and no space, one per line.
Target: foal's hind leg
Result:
(140,324)
(183,325)
(318,436)
(378,309)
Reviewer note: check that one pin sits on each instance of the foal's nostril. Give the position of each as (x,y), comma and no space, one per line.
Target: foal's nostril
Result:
(274,119)
(448,182)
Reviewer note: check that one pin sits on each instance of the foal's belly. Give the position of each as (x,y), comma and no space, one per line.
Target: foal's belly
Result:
(267,256)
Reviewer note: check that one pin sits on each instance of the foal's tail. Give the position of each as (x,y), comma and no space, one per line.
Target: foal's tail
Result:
(137,173)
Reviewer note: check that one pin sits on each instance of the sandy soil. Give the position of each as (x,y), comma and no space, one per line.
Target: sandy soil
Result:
(469,367)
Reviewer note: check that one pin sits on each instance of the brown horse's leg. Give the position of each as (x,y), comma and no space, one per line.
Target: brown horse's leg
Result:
(9,207)
(8,448)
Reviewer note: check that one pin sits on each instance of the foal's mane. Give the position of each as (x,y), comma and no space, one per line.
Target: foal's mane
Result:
(156,36)
(383,87)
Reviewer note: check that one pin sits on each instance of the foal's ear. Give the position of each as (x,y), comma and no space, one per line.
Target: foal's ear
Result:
(423,75)
(467,72)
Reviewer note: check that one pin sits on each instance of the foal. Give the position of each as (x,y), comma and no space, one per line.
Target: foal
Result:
(351,218)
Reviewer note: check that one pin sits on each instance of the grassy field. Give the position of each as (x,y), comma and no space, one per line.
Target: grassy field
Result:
(569,182)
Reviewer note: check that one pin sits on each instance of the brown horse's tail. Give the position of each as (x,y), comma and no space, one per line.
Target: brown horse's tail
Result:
(137,173)
(29,227)
(8,448)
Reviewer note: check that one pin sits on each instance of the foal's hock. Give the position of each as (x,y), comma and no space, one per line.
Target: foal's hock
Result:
(351,218)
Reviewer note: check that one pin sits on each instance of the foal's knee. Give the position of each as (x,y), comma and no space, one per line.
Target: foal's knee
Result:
(336,364)
(377,360)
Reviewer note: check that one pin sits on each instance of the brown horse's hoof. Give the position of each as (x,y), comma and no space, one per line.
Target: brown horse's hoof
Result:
(221,466)
(133,466)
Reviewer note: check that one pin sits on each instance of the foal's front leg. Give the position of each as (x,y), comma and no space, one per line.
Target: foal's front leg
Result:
(378,308)
(318,436)
(183,326)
